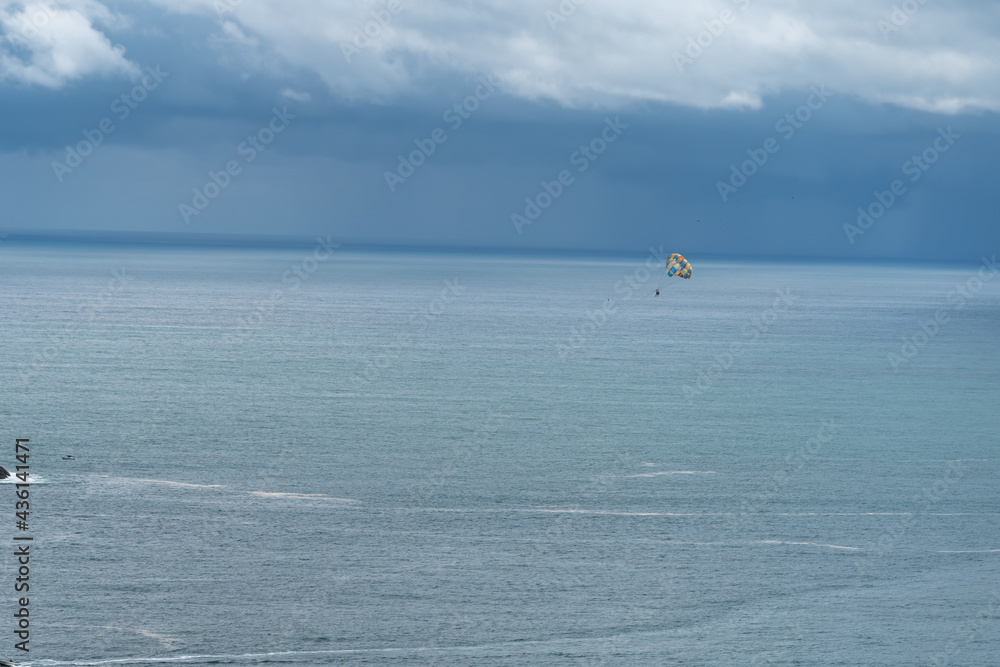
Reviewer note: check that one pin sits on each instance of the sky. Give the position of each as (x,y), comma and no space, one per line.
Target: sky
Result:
(848,130)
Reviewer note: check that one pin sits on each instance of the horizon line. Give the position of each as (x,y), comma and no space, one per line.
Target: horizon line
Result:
(265,241)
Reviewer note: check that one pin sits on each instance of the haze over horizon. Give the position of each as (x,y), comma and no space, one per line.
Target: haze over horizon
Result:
(731,127)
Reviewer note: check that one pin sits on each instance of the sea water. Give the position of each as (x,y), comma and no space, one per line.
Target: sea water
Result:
(317,457)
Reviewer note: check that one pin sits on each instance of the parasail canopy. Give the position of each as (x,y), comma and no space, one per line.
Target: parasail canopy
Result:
(678,266)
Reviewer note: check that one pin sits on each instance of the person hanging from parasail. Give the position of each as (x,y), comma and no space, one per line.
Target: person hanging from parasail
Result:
(676,266)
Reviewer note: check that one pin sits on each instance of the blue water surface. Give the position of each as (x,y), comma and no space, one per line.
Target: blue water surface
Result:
(390,459)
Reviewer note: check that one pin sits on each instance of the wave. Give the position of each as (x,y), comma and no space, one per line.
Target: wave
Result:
(32,479)
(551,510)
(258,494)
(299,496)
(166,641)
(613,513)
(673,472)
(161,481)
(812,544)
(577,510)
(523,645)
(166,481)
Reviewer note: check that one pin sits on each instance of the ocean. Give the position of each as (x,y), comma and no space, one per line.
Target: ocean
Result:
(314,456)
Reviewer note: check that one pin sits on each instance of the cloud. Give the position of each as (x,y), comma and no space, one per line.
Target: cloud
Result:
(607,53)
(726,54)
(714,54)
(295,95)
(49,45)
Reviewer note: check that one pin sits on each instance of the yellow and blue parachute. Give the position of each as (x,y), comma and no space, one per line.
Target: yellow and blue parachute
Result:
(678,266)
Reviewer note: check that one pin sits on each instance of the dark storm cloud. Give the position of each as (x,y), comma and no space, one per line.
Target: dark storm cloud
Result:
(668,178)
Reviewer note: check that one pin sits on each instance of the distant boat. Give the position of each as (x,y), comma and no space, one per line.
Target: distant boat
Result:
(7,663)
(68,457)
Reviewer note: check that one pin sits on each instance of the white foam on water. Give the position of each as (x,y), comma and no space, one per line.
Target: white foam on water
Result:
(551,510)
(299,496)
(610,513)
(812,544)
(167,642)
(400,650)
(673,472)
(32,479)
(574,510)
(878,513)
(196,486)
(942,460)
(163,481)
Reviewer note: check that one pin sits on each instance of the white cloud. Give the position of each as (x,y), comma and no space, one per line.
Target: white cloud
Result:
(741,100)
(942,57)
(47,44)
(296,95)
